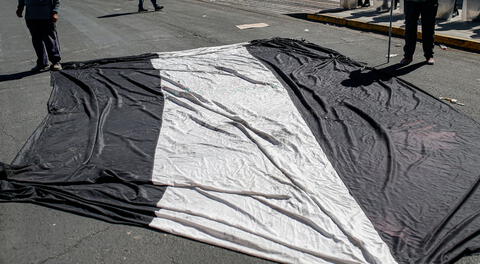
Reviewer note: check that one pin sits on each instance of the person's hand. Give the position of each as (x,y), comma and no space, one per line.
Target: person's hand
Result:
(55,17)
(19,12)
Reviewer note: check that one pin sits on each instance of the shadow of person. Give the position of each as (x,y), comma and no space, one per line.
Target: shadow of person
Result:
(395,18)
(358,78)
(367,13)
(125,14)
(333,10)
(17,76)
(476,33)
(456,25)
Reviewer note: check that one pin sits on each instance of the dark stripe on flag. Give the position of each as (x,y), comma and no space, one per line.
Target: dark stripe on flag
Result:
(93,153)
(410,160)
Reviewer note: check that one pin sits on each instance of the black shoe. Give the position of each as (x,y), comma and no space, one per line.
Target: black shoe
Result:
(158,8)
(40,68)
(406,61)
(141,9)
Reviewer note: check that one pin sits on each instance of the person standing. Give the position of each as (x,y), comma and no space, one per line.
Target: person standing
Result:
(427,9)
(154,3)
(40,17)
(365,3)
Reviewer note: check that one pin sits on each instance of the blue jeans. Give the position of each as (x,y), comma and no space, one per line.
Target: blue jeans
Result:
(44,40)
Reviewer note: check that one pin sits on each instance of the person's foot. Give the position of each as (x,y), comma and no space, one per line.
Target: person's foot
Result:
(382,8)
(56,67)
(40,68)
(158,8)
(455,13)
(430,61)
(406,61)
(141,9)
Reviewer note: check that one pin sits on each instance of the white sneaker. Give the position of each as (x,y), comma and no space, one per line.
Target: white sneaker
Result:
(56,67)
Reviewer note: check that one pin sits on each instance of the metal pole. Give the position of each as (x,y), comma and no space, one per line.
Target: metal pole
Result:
(390,31)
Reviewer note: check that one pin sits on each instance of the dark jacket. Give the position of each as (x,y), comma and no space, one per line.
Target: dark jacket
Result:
(39,9)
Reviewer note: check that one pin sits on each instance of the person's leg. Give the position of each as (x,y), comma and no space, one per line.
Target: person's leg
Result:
(52,44)
(455,9)
(38,46)
(384,4)
(428,11)
(156,6)
(140,6)
(412,13)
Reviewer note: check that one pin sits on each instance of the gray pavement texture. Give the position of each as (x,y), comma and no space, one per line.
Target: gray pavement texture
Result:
(91,29)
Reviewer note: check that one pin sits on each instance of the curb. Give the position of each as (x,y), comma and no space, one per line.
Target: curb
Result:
(457,42)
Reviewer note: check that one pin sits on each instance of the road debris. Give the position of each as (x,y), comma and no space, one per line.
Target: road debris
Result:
(391,55)
(257,25)
(306,30)
(443,47)
(451,100)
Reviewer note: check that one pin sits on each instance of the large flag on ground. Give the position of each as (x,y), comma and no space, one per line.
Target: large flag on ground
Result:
(276,148)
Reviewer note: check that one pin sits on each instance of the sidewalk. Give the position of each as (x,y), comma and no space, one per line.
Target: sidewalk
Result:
(454,33)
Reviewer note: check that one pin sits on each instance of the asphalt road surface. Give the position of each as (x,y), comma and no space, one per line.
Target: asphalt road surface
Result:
(91,29)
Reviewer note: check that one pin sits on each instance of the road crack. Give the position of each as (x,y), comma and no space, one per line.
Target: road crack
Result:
(7,134)
(74,246)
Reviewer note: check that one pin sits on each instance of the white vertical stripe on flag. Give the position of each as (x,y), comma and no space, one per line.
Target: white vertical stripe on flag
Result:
(245,171)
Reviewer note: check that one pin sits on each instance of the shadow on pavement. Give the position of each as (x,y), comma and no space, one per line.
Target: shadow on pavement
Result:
(298,15)
(476,33)
(334,10)
(397,70)
(457,25)
(17,76)
(124,14)
(395,18)
(367,13)
(358,78)
(304,15)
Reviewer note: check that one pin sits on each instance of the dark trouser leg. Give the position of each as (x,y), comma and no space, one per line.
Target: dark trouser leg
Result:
(428,11)
(140,4)
(412,12)
(35,28)
(51,42)
(154,3)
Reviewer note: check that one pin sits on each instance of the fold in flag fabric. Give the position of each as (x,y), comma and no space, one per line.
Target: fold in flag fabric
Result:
(276,148)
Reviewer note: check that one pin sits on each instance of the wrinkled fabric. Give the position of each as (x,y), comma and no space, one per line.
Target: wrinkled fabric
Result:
(276,148)
(244,170)
(410,160)
(93,153)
